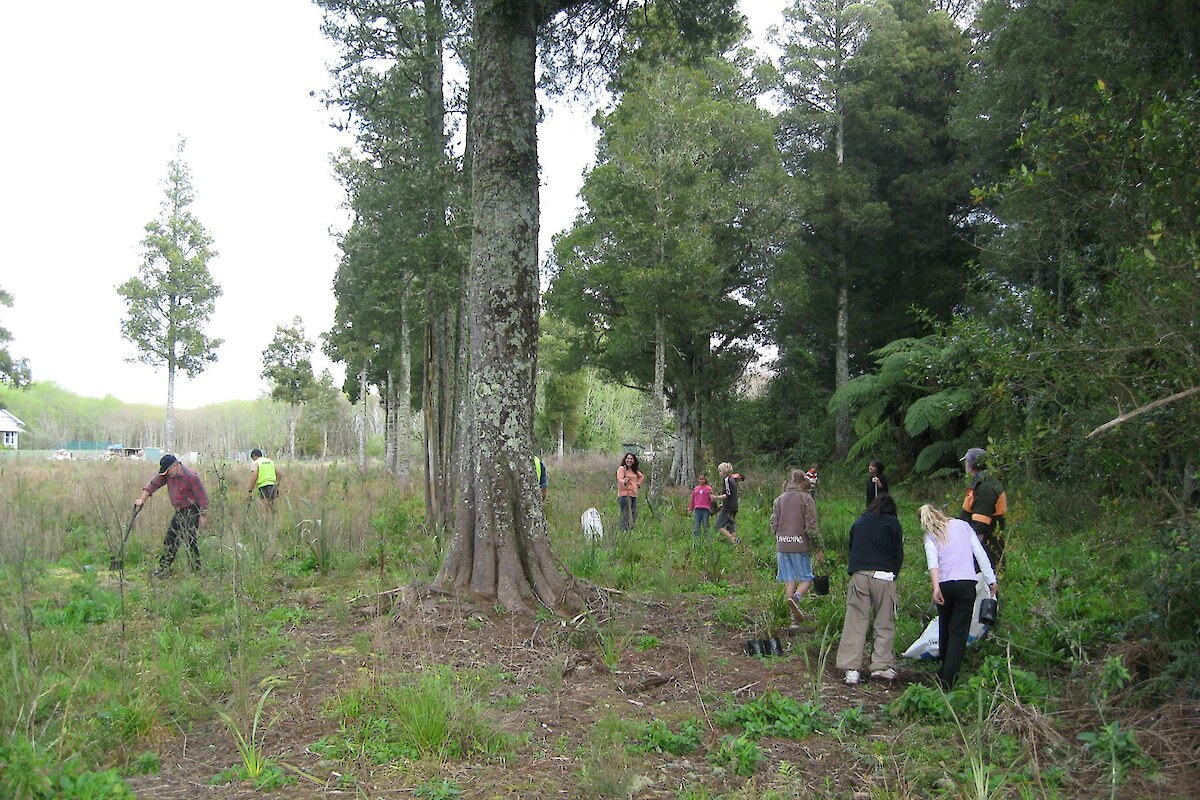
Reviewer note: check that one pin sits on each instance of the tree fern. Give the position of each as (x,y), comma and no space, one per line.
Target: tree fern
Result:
(855,393)
(871,415)
(870,440)
(934,454)
(934,412)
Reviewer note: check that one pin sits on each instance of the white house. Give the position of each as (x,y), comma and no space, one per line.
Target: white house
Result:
(10,429)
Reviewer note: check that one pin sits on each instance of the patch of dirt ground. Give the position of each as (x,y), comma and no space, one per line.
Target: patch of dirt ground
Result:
(555,687)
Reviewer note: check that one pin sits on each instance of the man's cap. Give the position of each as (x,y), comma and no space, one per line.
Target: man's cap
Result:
(974,457)
(166,462)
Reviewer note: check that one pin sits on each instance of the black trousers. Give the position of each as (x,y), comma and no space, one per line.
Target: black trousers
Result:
(184,525)
(992,541)
(954,623)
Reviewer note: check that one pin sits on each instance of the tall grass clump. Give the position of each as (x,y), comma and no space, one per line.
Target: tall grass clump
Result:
(605,766)
(436,714)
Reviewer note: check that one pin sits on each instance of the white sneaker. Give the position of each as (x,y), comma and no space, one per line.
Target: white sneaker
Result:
(888,674)
(852,677)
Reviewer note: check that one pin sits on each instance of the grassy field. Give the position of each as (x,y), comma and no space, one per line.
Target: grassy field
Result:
(308,659)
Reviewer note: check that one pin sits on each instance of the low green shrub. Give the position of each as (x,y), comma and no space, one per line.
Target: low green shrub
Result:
(998,675)
(1116,747)
(920,702)
(1174,581)
(441,789)
(773,714)
(657,737)
(739,754)
(29,771)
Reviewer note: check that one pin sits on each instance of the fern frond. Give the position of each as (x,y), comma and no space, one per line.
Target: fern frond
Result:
(934,411)
(906,345)
(870,440)
(869,416)
(855,393)
(934,454)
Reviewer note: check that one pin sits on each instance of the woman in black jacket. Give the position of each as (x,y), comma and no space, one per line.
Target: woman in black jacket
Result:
(877,485)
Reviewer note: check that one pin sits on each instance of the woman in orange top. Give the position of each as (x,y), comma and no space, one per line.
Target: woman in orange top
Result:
(629,480)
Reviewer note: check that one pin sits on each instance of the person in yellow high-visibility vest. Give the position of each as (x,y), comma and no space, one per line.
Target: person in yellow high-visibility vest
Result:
(265,478)
(539,469)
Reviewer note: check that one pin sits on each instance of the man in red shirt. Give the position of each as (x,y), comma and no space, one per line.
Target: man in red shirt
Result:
(190,502)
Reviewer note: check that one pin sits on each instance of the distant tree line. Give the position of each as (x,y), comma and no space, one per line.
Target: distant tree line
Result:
(53,415)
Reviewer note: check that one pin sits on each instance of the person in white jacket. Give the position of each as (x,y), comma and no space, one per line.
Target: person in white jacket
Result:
(951,550)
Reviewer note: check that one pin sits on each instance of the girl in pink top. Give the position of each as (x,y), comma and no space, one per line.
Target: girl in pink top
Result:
(629,480)
(701,507)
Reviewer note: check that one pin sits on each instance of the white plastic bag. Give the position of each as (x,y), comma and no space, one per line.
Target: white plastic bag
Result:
(926,645)
(593,529)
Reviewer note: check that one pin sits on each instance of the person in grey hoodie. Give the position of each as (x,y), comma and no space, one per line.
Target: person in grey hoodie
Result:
(876,555)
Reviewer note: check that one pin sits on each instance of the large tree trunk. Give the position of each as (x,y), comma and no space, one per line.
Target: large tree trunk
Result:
(841,377)
(684,463)
(500,549)
(438,405)
(657,434)
(403,401)
(170,437)
(389,424)
(293,417)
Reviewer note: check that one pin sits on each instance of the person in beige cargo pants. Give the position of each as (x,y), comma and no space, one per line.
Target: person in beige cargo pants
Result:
(876,555)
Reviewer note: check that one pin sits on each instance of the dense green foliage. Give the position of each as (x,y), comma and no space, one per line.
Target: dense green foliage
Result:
(680,210)
(1083,304)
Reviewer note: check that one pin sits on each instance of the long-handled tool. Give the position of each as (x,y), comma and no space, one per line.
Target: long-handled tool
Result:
(118,560)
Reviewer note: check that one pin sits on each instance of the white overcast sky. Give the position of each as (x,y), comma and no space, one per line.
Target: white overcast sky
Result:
(95,95)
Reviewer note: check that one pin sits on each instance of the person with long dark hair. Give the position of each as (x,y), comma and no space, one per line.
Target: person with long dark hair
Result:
(629,480)
(876,484)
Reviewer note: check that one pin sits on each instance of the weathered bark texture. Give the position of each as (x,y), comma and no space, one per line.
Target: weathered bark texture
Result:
(170,445)
(500,548)
(389,424)
(683,466)
(658,402)
(841,421)
(439,410)
(293,418)
(403,401)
